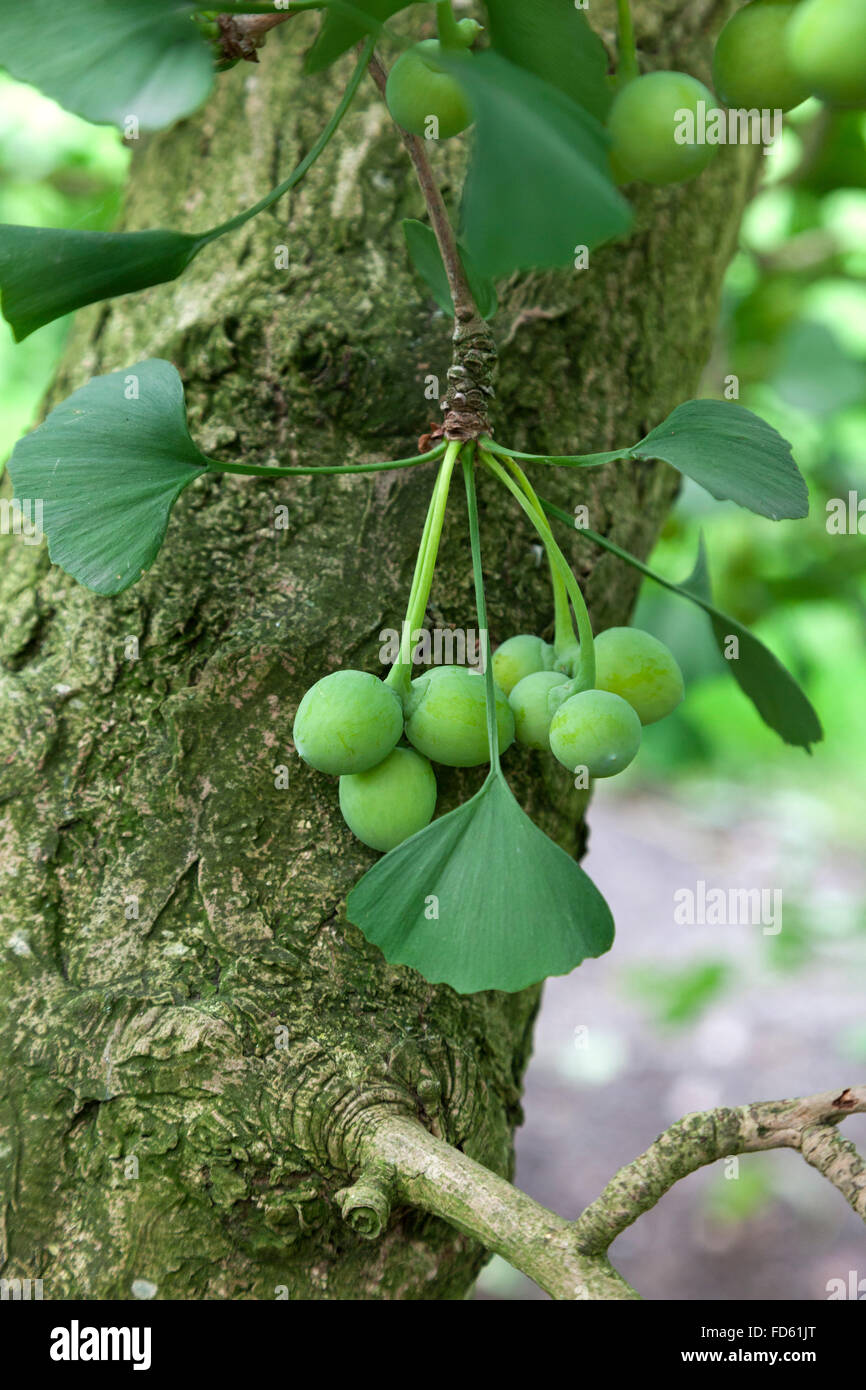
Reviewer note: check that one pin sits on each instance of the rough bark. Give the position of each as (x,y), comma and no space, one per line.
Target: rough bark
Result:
(193,1039)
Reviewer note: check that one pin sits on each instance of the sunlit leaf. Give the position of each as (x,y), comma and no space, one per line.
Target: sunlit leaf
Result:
(110,61)
(46,272)
(734,454)
(482,899)
(538,185)
(555,40)
(427,260)
(107,466)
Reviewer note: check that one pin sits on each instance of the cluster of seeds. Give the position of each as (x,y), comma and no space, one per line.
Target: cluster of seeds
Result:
(350,725)
(353,725)
(637,682)
(771,55)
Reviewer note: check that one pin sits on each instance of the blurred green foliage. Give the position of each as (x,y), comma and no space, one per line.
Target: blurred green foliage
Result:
(678,996)
(793,332)
(55,171)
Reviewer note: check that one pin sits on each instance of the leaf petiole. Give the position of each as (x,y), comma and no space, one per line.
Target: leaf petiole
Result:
(309,159)
(399,677)
(584,678)
(627,68)
(572,460)
(446,24)
(257,470)
(481,610)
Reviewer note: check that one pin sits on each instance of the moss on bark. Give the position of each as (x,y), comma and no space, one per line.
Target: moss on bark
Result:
(191,1032)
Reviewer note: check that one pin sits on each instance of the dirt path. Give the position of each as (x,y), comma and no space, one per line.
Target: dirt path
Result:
(607,1075)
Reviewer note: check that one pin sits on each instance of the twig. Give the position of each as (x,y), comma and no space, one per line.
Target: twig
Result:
(432,1175)
(470,377)
(399,1162)
(807,1124)
(241,35)
(461,294)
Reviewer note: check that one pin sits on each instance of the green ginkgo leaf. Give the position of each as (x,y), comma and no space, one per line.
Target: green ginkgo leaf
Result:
(760,675)
(556,41)
(110,60)
(732,453)
(482,899)
(46,272)
(106,468)
(538,185)
(347,23)
(427,259)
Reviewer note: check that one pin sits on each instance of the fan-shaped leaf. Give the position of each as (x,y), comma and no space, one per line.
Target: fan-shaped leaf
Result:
(482,899)
(107,60)
(734,454)
(46,272)
(538,185)
(107,466)
(554,39)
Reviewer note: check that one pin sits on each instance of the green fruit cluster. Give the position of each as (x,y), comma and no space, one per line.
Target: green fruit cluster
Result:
(773,54)
(637,682)
(349,725)
(770,56)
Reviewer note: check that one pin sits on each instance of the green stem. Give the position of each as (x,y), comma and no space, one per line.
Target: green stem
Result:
(481,609)
(627,68)
(256,470)
(572,460)
(563,629)
(529,502)
(400,675)
(449,34)
(308,160)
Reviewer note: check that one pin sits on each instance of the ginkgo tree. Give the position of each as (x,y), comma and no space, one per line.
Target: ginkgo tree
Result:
(553,128)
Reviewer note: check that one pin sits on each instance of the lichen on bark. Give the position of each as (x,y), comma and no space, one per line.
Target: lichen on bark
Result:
(192,1035)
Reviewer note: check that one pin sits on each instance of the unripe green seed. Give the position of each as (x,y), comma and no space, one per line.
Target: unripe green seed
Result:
(639,668)
(469,29)
(532,713)
(643,123)
(347,722)
(567,658)
(446,717)
(597,731)
(419,87)
(826,45)
(751,67)
(392,801)
(518,657)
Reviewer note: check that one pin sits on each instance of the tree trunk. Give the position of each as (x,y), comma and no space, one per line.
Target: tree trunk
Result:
(193,1038)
